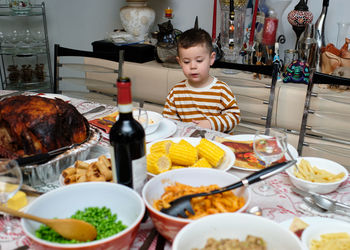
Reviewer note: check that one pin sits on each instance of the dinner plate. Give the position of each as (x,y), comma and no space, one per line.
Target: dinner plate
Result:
(318,226)
(53,96)
(224,166)
(61,178)
(250,137)
(166,128)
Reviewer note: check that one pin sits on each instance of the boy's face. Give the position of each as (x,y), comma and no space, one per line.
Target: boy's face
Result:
(195,63)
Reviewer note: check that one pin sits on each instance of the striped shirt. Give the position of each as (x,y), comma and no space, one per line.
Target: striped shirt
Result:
(215,102)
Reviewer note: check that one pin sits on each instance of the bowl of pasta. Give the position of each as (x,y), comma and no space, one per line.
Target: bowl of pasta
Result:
(167,186)
(235,231)
(327,234)
(317,175)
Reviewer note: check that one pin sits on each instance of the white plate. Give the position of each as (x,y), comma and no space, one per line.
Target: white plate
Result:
(224,166)
(321,224)
(61,178)
(166,128)
(53,96)
(250,137)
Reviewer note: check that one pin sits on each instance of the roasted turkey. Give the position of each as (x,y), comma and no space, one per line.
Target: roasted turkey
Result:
(33,124)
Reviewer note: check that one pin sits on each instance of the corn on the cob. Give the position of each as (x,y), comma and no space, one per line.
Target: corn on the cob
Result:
(183,154)
(202,163)
(186,143)
(161,147)
(177,167)
(158,163)
(210,151)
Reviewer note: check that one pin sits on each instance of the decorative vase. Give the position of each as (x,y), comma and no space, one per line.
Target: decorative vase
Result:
(299,17)
(137,18)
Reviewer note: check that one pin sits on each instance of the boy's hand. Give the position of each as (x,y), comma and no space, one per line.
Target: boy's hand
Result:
(203,123)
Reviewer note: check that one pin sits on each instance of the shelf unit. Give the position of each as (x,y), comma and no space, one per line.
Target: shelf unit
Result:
(32,53)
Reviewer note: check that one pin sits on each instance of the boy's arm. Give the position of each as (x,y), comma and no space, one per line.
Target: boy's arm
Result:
(169,110)
(230,114)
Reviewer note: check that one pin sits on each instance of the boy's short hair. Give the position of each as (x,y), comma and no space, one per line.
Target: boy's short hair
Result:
(193,37)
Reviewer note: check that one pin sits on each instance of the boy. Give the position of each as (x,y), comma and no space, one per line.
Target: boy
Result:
(201,98)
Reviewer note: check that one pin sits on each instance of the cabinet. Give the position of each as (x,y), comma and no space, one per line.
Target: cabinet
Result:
(24,50)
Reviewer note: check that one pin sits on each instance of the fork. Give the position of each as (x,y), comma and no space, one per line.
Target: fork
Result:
(180,206)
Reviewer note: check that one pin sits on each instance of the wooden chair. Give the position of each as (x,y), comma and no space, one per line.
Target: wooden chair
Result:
(82,74)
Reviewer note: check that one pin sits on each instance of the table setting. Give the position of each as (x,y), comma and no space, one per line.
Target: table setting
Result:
(288,197)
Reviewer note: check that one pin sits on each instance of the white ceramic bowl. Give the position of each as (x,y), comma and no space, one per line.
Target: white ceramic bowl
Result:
(320,188)
(65,201)
(154,119)
(314,231)
(235,226)
(168,225)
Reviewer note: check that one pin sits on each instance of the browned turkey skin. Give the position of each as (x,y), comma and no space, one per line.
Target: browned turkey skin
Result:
(33,124)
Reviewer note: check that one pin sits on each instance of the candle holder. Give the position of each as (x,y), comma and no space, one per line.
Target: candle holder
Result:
(298,18)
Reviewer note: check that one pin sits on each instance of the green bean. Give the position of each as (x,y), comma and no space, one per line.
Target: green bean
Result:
(104,221)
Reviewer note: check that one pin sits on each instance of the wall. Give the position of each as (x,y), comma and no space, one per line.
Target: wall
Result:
(77,23)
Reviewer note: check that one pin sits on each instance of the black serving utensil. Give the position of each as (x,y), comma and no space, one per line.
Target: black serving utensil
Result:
(179,206)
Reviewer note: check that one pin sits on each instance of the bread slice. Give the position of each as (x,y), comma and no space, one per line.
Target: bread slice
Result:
(298,226)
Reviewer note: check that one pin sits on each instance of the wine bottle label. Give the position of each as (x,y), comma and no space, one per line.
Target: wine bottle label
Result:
(139,173)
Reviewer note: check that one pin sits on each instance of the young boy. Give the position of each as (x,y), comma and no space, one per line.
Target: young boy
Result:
(201,98)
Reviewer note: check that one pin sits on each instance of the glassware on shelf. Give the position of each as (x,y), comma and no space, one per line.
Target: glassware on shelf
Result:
(10,182)
(13,73)
(39,42)
(279,6)
(343,32)
(270,145)
(20,7)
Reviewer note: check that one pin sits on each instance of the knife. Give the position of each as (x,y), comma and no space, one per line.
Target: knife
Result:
(312,195)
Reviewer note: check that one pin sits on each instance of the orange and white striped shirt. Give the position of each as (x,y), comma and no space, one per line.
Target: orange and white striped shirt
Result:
(215,102)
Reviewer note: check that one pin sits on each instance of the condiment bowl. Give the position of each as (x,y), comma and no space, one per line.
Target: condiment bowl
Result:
(318,187)
(323,226)
(235,226)
(168,226)
(154,120)
(65,201)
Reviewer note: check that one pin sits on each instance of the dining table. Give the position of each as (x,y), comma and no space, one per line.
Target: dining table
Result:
(281,207)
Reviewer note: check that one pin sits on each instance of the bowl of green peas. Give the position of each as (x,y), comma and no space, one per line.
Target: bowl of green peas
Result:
(115,210)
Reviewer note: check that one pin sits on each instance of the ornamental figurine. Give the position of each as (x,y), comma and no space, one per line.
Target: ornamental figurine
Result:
(297,72)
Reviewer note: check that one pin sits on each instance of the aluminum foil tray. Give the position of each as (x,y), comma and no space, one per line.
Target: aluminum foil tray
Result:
(44,177)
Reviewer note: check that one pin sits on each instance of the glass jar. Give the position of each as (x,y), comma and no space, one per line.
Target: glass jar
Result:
(20,7)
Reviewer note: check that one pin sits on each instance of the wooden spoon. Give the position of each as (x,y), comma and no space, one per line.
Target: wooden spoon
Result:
(72,229)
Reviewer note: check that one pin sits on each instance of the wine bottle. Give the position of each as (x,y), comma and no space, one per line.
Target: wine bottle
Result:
(127,140)
(320,35)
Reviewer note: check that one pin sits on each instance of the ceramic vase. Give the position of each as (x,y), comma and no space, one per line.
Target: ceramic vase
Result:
(137,19)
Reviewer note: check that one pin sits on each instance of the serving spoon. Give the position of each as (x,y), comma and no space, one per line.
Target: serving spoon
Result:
(72,229)
(180,206)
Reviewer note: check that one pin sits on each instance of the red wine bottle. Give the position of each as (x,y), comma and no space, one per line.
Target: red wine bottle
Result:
(127,139)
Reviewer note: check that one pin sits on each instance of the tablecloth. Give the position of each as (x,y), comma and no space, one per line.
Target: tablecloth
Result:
(283,205)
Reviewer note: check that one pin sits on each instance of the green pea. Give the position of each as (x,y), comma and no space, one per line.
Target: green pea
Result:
(102,218)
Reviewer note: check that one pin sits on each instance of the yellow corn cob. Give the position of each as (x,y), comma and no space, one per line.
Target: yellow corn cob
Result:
(182,154)
(210,151)
(186,143)
(202,163)
(161,147)
(158,163)
(177,167)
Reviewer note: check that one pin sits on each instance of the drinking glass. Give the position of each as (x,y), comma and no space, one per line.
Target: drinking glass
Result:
(270,145)
(10,183)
